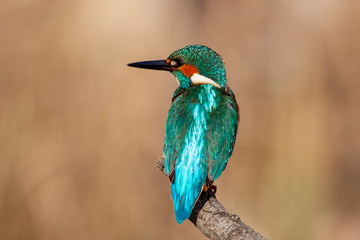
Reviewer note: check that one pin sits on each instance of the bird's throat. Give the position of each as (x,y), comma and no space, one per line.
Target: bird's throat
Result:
(200,79)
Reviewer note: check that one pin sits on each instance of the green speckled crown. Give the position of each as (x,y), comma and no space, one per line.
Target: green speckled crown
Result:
(207,61)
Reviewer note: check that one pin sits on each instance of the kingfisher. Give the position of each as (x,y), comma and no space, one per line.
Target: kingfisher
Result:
(201,126)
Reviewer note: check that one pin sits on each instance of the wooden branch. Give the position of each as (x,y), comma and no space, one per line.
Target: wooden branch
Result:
(212,219)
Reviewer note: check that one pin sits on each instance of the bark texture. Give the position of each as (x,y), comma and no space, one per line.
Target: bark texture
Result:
(214,221)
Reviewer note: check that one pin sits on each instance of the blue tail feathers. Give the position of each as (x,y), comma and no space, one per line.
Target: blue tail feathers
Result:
(184,201)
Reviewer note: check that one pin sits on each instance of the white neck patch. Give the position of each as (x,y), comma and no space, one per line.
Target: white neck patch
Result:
(200,79)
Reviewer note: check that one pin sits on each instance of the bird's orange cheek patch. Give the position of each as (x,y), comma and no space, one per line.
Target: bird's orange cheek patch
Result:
(188,70)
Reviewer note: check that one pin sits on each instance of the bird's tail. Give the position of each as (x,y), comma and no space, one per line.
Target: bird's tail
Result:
(185,196)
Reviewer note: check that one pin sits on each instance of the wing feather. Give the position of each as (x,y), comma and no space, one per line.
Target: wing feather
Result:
(221,134)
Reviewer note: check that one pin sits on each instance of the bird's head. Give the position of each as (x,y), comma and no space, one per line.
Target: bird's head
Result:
(191,65)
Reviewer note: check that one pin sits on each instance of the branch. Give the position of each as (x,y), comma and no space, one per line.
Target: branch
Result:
(212,219)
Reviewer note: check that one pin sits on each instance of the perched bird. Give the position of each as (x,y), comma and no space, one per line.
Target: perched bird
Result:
(201,126)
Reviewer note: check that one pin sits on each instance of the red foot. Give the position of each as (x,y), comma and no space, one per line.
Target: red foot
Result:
(213,187)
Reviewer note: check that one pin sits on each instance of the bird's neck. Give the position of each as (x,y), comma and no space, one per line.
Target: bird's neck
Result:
(204,95)
(208,96)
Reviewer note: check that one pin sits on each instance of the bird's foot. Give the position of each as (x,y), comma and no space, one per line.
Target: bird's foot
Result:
(209,185)
(213,187)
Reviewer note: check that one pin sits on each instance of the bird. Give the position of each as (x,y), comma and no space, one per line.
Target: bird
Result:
(202,124)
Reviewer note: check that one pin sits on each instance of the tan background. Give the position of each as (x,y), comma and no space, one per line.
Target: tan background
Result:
(80,132)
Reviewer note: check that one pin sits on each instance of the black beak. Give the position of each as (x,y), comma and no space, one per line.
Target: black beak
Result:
(155,65)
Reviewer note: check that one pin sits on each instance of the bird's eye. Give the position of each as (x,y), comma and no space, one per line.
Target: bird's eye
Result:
(176,63)
(173,63)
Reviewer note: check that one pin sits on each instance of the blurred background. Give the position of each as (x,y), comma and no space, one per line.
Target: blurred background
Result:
(80,131)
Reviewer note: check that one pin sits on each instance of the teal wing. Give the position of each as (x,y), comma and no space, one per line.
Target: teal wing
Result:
(176,129)
(184,152)
(221,134)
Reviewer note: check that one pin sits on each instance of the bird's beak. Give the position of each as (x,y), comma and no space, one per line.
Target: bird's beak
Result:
(155,65)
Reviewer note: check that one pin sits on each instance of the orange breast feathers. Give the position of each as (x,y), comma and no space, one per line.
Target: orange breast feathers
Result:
(188,70)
